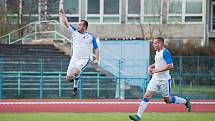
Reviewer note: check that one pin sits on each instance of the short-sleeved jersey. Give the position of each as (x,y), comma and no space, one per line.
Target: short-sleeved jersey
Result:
(162,58)
(82,43)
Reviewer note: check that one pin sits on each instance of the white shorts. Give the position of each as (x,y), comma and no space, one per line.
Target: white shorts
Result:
(161,86)
(81,64)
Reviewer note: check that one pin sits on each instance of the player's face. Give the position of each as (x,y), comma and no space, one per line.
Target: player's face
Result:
(81,27)
(156,44)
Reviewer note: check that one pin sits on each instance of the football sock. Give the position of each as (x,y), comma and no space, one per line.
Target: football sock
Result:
(142,107)
(76,81)
(178,100)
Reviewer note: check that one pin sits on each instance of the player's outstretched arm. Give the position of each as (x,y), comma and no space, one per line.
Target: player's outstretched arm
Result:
(97,56)
(64,18)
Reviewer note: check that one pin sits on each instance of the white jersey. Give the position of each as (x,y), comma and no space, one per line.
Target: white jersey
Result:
(82,43)
(162,58)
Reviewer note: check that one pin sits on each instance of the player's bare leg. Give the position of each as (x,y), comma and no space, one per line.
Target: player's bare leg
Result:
(142,107)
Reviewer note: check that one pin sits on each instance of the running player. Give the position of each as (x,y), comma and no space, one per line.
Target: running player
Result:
(161,80)
(82,48)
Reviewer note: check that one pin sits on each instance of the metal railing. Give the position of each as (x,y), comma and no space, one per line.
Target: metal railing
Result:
(92,85)
(195,80)
(51,29)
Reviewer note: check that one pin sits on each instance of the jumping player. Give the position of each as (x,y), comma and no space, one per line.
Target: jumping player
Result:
(82,48)
(161,80)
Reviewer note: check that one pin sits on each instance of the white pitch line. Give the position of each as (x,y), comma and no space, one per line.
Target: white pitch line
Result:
(87,103)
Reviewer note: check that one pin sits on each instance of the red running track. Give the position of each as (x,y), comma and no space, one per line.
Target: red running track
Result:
(99,106)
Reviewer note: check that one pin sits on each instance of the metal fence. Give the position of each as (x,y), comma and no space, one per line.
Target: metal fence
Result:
(193,76)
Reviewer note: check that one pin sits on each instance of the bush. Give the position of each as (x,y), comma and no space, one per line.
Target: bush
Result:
(189,49)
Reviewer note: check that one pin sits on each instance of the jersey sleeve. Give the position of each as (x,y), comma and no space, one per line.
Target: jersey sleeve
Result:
(167,56)
(95,45)
(72,28)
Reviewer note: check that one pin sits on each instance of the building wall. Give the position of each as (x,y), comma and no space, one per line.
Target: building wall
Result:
(170,31)
(173,19)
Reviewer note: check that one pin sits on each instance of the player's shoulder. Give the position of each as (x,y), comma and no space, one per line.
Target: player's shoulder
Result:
(165,50)
(90,34)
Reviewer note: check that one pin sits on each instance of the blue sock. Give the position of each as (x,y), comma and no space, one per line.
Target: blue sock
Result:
(146,100)
(173,99)
(76,81)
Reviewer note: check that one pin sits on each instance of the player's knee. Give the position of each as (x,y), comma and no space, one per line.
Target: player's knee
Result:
(68,78)
(167,101)
(76,72)
(147,96)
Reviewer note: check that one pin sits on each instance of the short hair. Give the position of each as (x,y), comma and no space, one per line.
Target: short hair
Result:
(85,23)
(161,39)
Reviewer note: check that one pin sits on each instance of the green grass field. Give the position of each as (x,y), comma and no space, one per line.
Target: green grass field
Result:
(105,117)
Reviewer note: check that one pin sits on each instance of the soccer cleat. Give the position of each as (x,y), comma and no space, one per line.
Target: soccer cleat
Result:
(188,105)
(134,117)
(75,91)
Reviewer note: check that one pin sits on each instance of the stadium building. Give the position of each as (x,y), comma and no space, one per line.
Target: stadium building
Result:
(176,20)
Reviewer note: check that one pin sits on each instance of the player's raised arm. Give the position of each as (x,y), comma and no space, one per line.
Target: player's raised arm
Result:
(64,18)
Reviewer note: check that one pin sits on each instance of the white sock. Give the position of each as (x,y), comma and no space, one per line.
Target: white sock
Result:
(142,108)
(179,100)
(76,81)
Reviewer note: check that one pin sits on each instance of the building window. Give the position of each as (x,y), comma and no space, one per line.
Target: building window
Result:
(111,6)
(93,7)
(193,6)
(185,11)
(53,9)
(133,11)
(71,8)
(53,6)
(175,11)
(175,7)
(111,11)
(152,11)
(193,11)
(30,7)
(12,20)
(93,10)
(103,11)
(13,6)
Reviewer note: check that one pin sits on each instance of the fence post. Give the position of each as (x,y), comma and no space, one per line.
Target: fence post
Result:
(81,90)
(59,85)
(98,85)
(41,78)
(19,84)
(1,71)
(180,71)
(119,79)
(0,85)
